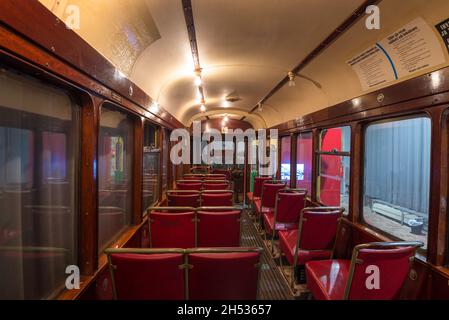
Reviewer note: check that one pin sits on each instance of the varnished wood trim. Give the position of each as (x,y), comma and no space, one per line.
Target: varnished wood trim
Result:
(88,236)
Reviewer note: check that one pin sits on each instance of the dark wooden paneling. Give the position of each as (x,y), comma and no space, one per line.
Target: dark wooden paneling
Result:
(88,236)
(397,98)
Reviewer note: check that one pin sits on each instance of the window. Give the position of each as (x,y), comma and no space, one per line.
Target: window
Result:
(285,158)
(334,166)
(54,145)
(151,158)
(396,177)
(39,151)
(304,161)
(114,174)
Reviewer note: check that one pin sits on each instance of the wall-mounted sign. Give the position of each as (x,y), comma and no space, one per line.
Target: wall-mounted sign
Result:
(408,50)
(443,29)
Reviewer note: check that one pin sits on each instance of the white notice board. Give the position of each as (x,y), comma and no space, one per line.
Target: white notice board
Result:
(410,49)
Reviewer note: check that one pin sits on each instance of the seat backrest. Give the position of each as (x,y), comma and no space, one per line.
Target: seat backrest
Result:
(379,274)
(226,173)
(172,230)
(215,177)
(288,206)
(183,200)
(218,229)
(258,182)
(193,177)
(215,186)
(269,191)
(217,199)
(223,276)
(189,186)
(147,276)
(318,228)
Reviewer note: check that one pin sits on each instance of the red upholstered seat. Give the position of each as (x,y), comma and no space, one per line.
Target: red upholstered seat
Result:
(218,229)
(172,230)
(389,262)
(258,182)
(268,196)
(183,200)
(268,222)
(315,237)
(215,186)
(148,276)
(288,207)
(193,177)
(189,186)
(216,177)
(217,199)
(326,279)
(223,276)
(287,244)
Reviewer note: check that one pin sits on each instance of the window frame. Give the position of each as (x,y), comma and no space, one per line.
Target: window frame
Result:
(80,102)
(291,157)
(312,159)
(387,119)
(132,216)
(317,156)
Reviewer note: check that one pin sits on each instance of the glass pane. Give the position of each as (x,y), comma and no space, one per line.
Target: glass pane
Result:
(114,174)
(304,153)
(336,139)
(54,166)
(333,180)
(397,175)
(285,158)
(151,154)
(38,187)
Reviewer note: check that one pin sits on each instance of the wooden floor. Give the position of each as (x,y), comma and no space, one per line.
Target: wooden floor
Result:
(272,285)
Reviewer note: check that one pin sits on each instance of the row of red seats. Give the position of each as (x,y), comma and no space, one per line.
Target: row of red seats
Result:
(193,176)
(199,185)
(186,227)
(191,274)
(307,237)
(206,198)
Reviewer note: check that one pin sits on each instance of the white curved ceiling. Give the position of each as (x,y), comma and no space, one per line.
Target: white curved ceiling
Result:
(245,47)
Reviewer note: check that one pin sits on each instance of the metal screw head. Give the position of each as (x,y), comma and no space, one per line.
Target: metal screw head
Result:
(413,275)
(131,91)
(380,97)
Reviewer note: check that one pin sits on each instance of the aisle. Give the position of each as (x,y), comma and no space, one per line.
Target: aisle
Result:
(272,284)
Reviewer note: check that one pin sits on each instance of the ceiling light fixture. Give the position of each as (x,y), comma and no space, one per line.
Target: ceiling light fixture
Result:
(154,107)
(226,118)
(198,81)
(203,108)
(291,79)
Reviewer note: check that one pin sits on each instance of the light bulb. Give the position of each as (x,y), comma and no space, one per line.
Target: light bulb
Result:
(154,107)
(198,81)
(226,119)
(291,79)
(203,108)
